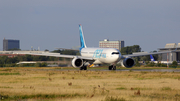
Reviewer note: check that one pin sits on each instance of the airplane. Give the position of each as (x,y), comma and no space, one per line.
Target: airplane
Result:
(153,60)
(93,56)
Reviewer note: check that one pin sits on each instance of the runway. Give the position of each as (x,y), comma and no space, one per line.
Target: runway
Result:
(152,70)
(105,69)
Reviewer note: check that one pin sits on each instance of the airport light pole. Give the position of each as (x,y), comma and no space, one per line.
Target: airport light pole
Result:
(167,61)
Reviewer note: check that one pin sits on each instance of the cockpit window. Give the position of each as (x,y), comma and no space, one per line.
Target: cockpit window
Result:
(115,53)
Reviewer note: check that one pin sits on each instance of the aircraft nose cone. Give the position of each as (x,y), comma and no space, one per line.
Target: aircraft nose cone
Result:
(119,57)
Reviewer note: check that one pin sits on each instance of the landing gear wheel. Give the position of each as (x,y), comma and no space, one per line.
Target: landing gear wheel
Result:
(114,68)
(83,68)
(110,67)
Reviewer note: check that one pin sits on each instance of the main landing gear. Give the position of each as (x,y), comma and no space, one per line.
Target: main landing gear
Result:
(83,68)
(112,67)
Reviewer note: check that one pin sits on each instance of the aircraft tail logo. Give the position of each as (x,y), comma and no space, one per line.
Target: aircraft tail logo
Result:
(152,59)
(82,41)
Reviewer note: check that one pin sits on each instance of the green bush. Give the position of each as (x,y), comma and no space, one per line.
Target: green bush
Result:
(178,66)
(161,65)
(158,65)
(151,64)
(174,64)
(1,65)
(33,65)
(38,65)
(137,63)
(26,65)
(147,62)
(44,64)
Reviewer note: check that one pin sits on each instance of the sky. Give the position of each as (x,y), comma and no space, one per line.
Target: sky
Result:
(51,24)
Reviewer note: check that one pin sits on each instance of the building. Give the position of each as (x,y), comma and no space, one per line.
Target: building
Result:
(10,44)
(111,44)
(173,56)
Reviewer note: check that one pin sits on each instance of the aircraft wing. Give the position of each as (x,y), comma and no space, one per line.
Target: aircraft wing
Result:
(55,55)
(144,54)
(67,49)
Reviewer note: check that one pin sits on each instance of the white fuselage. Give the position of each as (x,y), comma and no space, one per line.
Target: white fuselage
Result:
(102,55)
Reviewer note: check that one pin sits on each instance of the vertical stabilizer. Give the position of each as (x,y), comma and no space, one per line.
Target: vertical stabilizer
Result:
(82,41)
(152,59)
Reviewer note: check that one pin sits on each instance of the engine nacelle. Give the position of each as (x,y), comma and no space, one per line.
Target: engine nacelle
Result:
(127,62)
(77,62)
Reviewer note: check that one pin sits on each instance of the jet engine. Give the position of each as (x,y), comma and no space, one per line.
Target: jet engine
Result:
(127,62)
(77,62)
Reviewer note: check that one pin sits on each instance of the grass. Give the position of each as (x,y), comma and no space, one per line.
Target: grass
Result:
(52,83)
(41,96)
(118,68)
(114,99)
(166,88)
(9,73)
(121,88)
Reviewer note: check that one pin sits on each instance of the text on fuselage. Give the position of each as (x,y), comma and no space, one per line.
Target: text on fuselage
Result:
(98,54)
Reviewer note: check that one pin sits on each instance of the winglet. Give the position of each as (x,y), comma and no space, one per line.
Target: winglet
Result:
(82,41)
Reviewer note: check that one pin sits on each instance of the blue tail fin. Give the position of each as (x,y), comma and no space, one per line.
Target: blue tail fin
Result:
(82,41)
(152,59)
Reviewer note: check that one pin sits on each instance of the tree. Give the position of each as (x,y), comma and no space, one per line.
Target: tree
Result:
(145,58)
(56,51)
(29,57)
(174,64)
(43,58)
(137,63)
(46,50)
(130,49)
(3,59)
(13,49)
(66,52)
